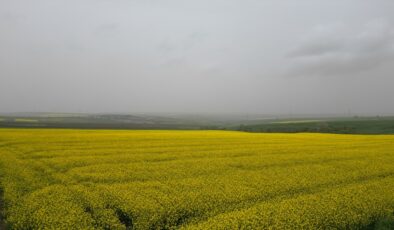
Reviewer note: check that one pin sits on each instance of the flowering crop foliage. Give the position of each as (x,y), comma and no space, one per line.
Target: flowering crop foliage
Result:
(100,179)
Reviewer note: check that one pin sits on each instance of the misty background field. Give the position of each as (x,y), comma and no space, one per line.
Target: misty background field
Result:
(249,123)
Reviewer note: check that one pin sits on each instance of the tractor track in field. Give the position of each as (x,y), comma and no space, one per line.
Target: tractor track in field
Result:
(3,226)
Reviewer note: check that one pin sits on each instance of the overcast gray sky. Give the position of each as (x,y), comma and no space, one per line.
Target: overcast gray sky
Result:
(206,56)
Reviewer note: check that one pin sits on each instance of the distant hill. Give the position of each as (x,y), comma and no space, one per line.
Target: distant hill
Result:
(248,123)
(355,125)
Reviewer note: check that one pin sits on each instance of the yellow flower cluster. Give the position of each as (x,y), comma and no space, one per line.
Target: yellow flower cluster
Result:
(101,179)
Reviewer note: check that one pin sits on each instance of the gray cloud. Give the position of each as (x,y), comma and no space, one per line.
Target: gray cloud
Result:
(196,56)
(344,51)
(107,28)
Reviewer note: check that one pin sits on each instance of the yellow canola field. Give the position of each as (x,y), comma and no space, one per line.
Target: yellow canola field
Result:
(101,179)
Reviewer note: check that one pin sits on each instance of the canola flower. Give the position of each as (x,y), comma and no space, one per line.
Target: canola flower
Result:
(101,179)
